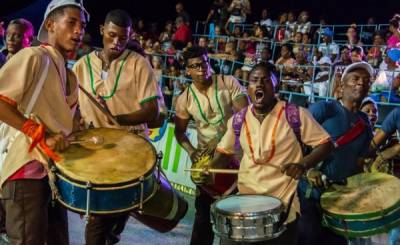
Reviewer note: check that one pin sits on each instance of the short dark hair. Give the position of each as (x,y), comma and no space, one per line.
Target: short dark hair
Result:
(357,49)
(395,21)
(119,17)
(60,11)
(193,52)
(25,24)
(268,67)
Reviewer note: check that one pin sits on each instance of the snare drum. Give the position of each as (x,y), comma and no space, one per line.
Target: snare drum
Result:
(247,218)
(113,177)
(369,204)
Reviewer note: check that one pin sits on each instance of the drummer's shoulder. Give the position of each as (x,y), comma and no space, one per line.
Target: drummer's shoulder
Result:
(83,60)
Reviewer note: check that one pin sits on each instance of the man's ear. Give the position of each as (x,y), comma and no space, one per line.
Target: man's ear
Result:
(49,25)
(102,30)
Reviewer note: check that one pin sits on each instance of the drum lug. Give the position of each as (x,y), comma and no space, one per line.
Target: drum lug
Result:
(141,179)
(88,189)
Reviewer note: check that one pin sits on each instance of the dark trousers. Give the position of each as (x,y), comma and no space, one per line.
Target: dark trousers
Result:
(30,218)
(289,237)
(202,233)
(311,231)
(105,230)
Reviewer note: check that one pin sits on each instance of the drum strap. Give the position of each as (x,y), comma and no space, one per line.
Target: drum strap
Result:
(351,134)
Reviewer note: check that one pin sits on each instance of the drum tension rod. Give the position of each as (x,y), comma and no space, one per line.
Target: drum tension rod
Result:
(141,179)
(87,213)
(159,158)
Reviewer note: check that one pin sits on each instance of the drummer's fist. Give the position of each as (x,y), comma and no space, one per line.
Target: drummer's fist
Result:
(294,170)
(57,142)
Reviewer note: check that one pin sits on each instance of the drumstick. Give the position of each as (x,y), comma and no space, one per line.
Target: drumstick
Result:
(97,140)
(216,170)
(100,107)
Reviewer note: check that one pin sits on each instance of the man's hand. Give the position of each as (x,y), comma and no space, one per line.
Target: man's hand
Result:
(57,142)
(315,178)
(294,170)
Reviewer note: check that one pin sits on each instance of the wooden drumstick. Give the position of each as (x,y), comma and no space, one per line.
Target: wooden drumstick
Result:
(217,171)
(97,140)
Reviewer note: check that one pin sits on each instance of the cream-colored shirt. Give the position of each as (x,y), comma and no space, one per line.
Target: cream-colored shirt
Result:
(274,144)
(210,112)
(53,107)
(136,85)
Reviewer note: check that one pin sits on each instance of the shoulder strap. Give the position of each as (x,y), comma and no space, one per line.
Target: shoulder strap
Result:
(292,114)
(237,122)
(39,85)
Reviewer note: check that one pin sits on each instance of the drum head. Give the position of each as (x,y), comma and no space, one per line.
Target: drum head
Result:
(121,158)
(364,193)
(247,204)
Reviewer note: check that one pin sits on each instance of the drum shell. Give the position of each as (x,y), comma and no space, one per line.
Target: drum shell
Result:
(247,227)
(104,199)
(164,211)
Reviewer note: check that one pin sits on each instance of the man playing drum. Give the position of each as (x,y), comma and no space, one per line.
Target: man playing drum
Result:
(272,154)
(126,83)
(25,189)
(209,101)
(350,129)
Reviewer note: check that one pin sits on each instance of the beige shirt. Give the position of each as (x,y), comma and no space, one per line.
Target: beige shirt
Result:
(210,112)
(274,144)
(137,84)
(18,79)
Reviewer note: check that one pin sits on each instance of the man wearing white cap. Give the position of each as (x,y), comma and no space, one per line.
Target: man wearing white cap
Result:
(36,82)
(350,129)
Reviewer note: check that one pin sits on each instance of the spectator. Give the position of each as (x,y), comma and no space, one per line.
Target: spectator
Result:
(368,31)
(285,62)
(291,25)
(357,54)
(321,83)
(352,37)
(266,56)
(182,35)
(369,107)
(297,45)
(19,35)
(307,46)
(394,28)
(218,13)
(376,52)
(345,56)
(181,13)
(280,33)
(303,24)
(239,9)
(328,48)
(302,71)
(265,20)
(388,71)
(166,36)
(237,32)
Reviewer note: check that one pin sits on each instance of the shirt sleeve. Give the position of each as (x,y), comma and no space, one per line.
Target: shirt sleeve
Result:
(17,76)
(390,124)
(227,143)
(181,110)
(146,83)
(235,89)
(318,111)
(312,133)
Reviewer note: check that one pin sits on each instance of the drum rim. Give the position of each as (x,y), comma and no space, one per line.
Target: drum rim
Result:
(275,235)
(216,210)
(117,184)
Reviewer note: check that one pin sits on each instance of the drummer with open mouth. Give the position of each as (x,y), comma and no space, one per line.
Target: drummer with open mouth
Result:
(351,131)
(125,84)
(273,158)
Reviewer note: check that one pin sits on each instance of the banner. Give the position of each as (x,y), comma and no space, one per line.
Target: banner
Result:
(176,160)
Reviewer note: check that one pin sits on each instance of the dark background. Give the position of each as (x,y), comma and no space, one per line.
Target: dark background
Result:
(335,11)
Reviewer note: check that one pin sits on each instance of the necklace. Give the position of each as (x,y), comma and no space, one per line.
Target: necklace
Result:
(216,122)
(89,64)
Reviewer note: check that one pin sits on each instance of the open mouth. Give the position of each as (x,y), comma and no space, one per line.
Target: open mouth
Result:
(76,40)
(259,96)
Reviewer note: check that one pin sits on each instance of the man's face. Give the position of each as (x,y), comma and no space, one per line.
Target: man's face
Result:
(67,29)
(203,42)
(356,57)
(179,8)
(261,89)
(17,38)
(326,39)
(356,84)
(371,111)
(115,38)
(345,55)
(199,69)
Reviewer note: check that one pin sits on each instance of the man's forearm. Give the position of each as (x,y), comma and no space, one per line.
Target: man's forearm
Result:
(317,155)
(185,143)
(11,116)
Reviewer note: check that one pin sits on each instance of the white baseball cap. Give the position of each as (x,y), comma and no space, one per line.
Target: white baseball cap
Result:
(54,4)
(358,65)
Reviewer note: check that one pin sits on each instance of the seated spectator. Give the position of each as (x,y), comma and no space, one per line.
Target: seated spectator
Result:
(166,36)
(394,28)
(265,20)
(291,26)
(307,47)
(19,35)
(297,42)
(281,29)
(285,62)
(376,52)
(302,72)
(389,70)
(345,57)
(266,56)
(352,37)
(182,35)
(368,31)
(320,85)
(303,23)
(156,61)
(181,13)
(357,54)
(328,48)
(218,13)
